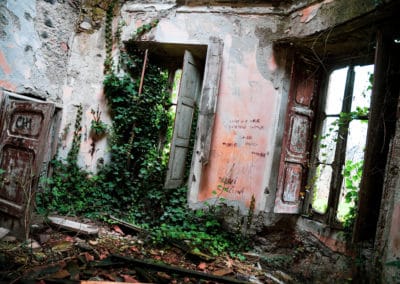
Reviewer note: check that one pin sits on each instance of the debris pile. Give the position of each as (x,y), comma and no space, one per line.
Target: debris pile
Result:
(67,251)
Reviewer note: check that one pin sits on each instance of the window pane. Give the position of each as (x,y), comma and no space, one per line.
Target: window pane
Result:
(356,140)
(337,82)
(327,144)
(362,87)
(352,170)
(321,188)
(352,173)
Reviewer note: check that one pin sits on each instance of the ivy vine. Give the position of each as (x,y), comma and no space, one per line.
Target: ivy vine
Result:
(130,185)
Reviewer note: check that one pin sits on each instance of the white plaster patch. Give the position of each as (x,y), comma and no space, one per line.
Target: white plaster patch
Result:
(169,31)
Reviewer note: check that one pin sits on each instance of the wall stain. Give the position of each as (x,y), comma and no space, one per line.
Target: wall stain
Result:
(5,16)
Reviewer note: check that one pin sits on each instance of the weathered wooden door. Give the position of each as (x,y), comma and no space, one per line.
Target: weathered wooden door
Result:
(297,139)
(189,91)
(24,129)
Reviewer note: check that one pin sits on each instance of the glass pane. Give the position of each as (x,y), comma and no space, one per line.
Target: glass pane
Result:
(323,177)
(327,141)
(352,173)
(352,170)
(356,140)
(337,82)
(362,87)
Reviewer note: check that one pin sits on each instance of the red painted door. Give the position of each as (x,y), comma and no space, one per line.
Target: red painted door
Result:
(24,139)
(297,139)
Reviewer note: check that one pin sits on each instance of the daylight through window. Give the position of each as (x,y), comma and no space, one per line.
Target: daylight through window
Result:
(341,142)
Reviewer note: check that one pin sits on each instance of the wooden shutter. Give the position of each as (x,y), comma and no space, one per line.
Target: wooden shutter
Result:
(205,123)
(24,136)
(297,139)
(189,91)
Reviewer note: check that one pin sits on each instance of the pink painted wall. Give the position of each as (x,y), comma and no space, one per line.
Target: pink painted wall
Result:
(248,102)
(246,113)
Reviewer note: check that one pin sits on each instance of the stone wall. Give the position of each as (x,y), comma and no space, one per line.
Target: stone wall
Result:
(35,46)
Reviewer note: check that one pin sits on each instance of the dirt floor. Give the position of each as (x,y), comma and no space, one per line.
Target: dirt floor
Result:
(120,254)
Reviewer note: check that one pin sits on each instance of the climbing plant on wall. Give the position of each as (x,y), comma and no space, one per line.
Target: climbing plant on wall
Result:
(130,186)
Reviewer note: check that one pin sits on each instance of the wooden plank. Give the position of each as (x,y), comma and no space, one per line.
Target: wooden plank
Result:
(74,226)
(208,105)
(175,270)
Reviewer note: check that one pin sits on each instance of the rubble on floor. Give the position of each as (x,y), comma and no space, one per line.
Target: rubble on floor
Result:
(118,253)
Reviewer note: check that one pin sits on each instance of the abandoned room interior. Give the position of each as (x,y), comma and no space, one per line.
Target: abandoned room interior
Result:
(234,141)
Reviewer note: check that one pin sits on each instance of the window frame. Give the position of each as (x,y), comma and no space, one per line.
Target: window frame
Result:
(330,216)
(356,41)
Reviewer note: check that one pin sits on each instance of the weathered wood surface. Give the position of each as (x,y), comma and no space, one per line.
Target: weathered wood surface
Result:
(205,123)
(74,226)
(168,269)
(189,92)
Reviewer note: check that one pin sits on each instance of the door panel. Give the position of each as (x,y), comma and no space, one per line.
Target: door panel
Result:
(297,139)
(24,136)
(189,92)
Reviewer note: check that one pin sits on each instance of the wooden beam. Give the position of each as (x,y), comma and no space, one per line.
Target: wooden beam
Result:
(171,269)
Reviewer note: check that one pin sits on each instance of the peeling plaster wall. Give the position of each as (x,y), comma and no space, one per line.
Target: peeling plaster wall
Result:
(53,61)
(253,91)
(325,15)
(41,54)
(34,46)
(84,86)
(248,101)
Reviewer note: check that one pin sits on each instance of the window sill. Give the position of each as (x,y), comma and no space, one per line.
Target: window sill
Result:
(333,238)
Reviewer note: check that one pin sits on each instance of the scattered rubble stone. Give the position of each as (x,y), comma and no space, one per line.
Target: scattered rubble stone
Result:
(85,26)
(32,244)
(75,256)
